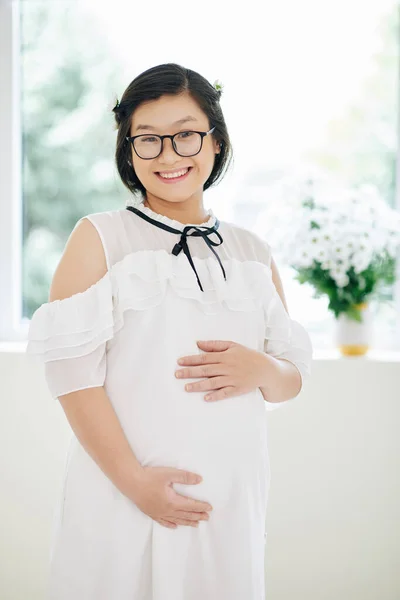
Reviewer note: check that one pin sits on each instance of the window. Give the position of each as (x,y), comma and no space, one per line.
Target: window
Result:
(297,90)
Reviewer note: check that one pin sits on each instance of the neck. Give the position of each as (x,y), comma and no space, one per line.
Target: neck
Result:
(188,211)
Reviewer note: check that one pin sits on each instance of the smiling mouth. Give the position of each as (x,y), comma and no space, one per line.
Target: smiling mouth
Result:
(178,174)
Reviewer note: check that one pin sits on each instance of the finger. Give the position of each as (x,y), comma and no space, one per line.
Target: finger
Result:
(181,476)
(166,523)
(199,359)
(216,345)
(186,522)
(182,502)
(192,516)
(200,371)
(212,383)
(222,394)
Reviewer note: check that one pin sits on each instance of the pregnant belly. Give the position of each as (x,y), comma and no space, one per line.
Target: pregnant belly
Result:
(224,441)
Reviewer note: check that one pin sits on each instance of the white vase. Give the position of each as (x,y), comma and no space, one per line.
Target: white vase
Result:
(354,338)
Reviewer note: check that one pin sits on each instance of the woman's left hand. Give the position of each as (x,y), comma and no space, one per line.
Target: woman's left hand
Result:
(230,369)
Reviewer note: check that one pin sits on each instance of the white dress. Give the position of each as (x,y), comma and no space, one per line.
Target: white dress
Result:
(126,332)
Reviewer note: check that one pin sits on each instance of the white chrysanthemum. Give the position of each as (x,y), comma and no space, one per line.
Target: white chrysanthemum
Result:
(322,254)
(393,244)
(361,260)
(342,280)
(327,265)
(304,256)
(312,219)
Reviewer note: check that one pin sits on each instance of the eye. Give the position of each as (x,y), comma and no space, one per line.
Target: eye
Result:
(185,134)
(151,139)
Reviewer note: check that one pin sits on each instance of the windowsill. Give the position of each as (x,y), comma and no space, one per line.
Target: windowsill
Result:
(388,356)
(372,355)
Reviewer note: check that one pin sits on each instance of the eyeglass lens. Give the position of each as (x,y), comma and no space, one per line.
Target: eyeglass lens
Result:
(186,143)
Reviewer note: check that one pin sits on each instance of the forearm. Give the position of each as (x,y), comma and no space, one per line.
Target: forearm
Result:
(97,427)
(282,379)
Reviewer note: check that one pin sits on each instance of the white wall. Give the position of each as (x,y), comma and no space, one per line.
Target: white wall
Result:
(333,518)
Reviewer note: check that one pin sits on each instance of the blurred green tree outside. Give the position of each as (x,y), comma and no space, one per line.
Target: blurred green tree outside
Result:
(361,145)
(68,135)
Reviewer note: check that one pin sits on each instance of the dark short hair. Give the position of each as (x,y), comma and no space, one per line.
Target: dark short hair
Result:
(169,79)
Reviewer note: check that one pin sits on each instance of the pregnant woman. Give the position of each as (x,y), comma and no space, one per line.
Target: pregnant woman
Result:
(165,488)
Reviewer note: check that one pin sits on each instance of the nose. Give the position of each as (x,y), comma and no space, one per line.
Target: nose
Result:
(168,154)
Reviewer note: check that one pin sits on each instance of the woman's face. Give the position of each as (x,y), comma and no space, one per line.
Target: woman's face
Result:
(169,115)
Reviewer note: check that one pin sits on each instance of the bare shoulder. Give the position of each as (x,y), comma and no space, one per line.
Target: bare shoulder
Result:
(82,263)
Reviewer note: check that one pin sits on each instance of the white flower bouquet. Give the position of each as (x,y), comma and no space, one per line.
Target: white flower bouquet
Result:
(341,241)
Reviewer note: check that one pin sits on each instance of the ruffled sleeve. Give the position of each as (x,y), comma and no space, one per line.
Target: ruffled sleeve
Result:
(286,338)
(70,335)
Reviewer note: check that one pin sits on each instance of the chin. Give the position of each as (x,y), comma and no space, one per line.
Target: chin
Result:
(177,195)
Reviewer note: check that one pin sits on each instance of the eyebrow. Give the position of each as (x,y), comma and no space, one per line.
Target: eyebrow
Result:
(180,122)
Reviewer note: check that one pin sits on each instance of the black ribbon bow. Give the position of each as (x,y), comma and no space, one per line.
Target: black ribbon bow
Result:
(182,244)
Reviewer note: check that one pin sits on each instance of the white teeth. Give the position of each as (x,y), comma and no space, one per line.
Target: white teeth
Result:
(173,175)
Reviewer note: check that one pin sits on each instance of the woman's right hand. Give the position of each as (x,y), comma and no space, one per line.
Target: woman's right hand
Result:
(155,497)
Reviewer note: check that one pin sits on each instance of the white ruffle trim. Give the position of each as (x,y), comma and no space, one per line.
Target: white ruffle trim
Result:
(77,325)
(167,220)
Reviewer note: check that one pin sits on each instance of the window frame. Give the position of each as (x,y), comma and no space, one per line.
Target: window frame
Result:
(12,326)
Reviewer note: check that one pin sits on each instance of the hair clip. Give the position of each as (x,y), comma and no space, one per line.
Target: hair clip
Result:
(114,104)
(218,85)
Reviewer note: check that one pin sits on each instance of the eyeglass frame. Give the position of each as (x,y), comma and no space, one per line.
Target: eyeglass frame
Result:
(202,134)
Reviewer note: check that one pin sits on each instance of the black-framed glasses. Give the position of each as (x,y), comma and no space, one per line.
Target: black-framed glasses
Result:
(185,143)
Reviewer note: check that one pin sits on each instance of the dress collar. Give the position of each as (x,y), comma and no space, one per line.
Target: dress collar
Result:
(204,230)
(172,222)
